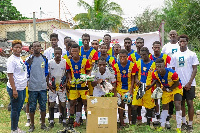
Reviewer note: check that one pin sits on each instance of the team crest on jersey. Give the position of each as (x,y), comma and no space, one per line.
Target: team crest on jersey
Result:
(151,69)
(42,65)
(170,80)
(76,67)
(129,71)
(144,68)
(84,56)
(90,57)
(124,71)
(163,80)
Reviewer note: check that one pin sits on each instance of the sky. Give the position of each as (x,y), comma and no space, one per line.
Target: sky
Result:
(69,8)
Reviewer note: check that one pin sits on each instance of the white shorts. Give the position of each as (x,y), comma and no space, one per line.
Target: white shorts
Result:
(61,95)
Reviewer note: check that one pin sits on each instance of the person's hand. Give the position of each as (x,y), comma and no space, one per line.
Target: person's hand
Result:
(147,87)
(131,92)
(15,94)
(69,57)
(51,88)
(187,87)
(138,83)
(99,81)
(164,89)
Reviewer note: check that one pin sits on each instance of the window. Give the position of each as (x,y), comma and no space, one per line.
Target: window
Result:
(40,37)
(16,35)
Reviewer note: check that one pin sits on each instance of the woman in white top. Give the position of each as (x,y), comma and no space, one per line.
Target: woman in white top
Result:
(17,81)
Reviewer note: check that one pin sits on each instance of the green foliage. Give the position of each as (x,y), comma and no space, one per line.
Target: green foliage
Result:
(148,21)
(183,16)
(101,15)
(9,12)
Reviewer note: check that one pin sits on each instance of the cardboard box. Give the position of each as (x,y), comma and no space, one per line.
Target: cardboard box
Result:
(101,115)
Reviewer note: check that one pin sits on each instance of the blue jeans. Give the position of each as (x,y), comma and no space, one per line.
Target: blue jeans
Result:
(16,106)
(41,97)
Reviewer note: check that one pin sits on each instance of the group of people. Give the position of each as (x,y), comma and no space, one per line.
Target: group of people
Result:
(58,73)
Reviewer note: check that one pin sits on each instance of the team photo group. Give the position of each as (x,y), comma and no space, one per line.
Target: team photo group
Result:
(161,82)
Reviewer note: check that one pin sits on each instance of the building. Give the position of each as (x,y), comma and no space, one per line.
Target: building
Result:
(23,29)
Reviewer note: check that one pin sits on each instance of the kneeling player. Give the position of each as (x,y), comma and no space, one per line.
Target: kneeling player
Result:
(172,91)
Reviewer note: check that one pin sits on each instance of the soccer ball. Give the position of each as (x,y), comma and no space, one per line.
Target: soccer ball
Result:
(157,93)
(127,98)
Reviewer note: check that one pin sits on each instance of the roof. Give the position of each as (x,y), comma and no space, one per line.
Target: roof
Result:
(25,21)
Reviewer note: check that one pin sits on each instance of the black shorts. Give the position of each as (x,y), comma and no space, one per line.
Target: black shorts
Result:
(177,97)
(189,95)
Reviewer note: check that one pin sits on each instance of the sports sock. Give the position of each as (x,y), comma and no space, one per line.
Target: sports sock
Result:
(190,123)
(179,118)
(78,115)
(28,117)
(134,116)
(184,120)
(164,115)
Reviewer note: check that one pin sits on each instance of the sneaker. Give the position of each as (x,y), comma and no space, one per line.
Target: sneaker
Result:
(183,127)
(27,123)
(178,130)
(76,124)
(51,125)
(156,123)
(31,129)
(64,124)
(167,126)
(20,131)
(60,119)
(43,126)
(190,129)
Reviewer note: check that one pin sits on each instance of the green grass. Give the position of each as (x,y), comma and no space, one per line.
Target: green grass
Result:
(5,116)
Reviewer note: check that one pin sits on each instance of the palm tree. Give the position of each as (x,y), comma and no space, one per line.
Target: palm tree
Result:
(101,15)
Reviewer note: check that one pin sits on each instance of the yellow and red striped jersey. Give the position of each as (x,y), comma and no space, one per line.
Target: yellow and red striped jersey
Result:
(123,75)
(78,68)
(168,80)
(165,57)
(91,54)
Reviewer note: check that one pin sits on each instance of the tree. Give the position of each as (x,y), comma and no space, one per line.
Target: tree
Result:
(148,21)
(8,11)
(101,15)
(183,16)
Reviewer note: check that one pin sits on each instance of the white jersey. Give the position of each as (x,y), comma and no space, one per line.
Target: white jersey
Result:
(16,66)
(170,49)
(183,61)
(57,70)
(106,76)
(49,53)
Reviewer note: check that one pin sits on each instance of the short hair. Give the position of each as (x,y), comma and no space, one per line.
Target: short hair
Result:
(36,42)
(71,43)
(145,49)
(95,40)
(140,38)
(54,35)
(116,45)
(103,44)
(86,35)
(159,60)
(102,58)
(14,42)
(107,35)
(156,42)
(183,36)
(75,46)
(127,38)
(30,46)
(58,48)
(67,37)
(123,51)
